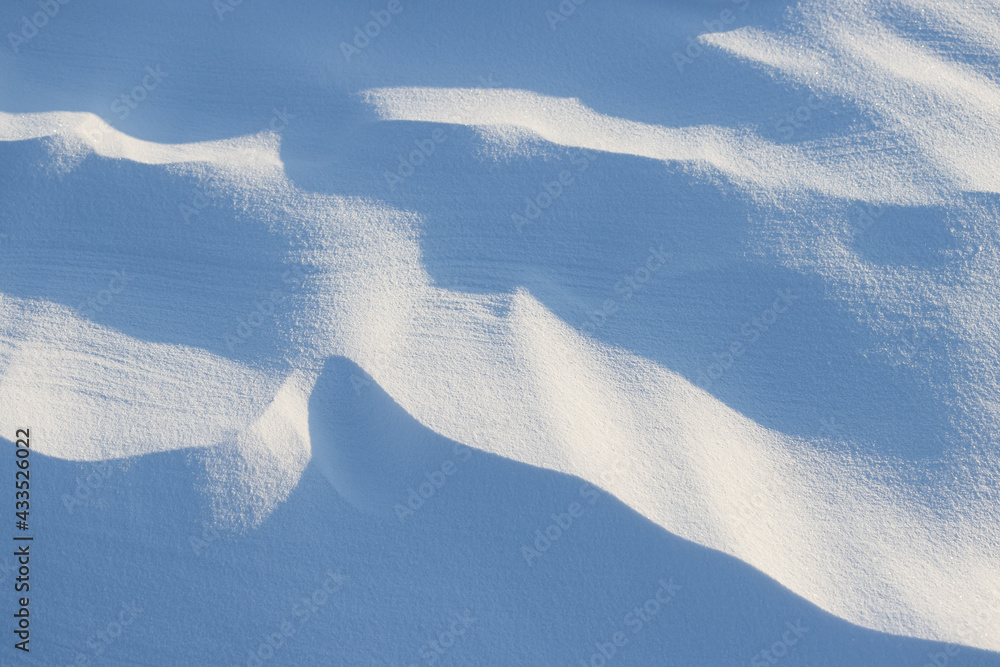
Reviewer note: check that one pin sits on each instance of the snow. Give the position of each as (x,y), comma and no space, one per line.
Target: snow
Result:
(629,333)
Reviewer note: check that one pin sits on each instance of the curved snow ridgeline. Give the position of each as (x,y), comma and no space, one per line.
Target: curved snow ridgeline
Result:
(713,277)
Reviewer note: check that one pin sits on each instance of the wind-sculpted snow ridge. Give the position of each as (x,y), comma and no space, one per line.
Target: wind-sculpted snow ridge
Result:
(86,133)
(742,157)
(424,322)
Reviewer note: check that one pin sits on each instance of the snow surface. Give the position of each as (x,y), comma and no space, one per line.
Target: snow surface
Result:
(706,291)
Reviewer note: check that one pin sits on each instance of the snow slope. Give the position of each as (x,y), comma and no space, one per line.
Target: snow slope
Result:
(693,303)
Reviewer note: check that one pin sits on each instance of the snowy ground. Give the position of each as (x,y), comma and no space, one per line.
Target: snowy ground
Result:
(519,333)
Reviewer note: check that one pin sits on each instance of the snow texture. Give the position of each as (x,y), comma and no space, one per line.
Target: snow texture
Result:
(516,333)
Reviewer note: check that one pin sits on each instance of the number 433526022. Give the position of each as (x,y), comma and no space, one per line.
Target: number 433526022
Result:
(22,478)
